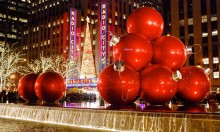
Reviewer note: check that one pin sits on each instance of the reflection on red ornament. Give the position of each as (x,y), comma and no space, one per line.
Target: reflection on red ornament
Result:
(146,21)
(26,87)
(194,85)
(157,85)
(169,51)
(133,50)
(50,86)
(118,84)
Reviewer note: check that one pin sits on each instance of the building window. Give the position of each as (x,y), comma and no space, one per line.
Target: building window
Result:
(215,75)
(205,61)
(12,8)
(2,35)
(23,20)
(215,60)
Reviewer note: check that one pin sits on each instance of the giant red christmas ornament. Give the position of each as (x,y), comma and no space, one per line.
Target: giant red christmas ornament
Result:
(157,85)
(118,84)
(50,86)
(169,51)
(146,21)
(26,87)
(194,85)
(134,50)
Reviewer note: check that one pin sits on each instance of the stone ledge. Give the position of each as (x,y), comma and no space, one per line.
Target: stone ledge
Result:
(113,119)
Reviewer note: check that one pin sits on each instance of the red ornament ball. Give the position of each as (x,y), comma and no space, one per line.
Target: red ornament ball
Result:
(26,87)
(118,87)
(134,50)
(146,21)
(157,85)
(50,86)
(194,85)
(169,51)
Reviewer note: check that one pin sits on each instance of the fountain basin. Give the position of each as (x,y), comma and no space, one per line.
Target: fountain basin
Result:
(113,119)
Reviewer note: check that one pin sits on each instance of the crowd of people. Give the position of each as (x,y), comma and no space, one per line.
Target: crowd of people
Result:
(10,95)
(73,96)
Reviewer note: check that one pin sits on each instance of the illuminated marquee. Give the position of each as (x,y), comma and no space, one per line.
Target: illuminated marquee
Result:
(82,82)
(103,34)
(73,35)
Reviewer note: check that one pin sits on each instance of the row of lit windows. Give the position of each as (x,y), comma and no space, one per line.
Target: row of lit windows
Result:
(29,1)
(205,34)
(8,35)
(206,60)
(52,4)
(12,36)
(57,3)
(204,20)
(82,19)
(14,18)
(42,44)
(46,42)
(12,8)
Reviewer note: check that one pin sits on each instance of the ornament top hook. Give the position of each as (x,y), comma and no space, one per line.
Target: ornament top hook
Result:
(207,71)
(119,66)
(189,49)
(176,76)
(114,40)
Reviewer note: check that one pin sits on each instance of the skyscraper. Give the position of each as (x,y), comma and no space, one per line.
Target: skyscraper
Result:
(197,24)
(58,27)
(13,18)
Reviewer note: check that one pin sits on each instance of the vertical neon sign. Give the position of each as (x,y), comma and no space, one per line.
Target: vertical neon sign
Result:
(103,34)
(72,38)
(72,20)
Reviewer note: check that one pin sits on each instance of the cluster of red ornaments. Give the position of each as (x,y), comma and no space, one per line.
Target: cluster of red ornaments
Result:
(48,86)
(150,66)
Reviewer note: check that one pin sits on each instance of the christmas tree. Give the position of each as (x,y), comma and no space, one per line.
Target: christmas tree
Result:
(88,66)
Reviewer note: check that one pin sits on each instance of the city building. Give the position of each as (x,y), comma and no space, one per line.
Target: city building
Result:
(197,24)
(59,27)
(13,19)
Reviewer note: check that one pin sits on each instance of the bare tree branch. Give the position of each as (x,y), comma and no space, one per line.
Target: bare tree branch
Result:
(65,67)
(10,61)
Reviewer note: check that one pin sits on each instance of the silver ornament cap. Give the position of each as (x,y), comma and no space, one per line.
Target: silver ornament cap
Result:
(119,66)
